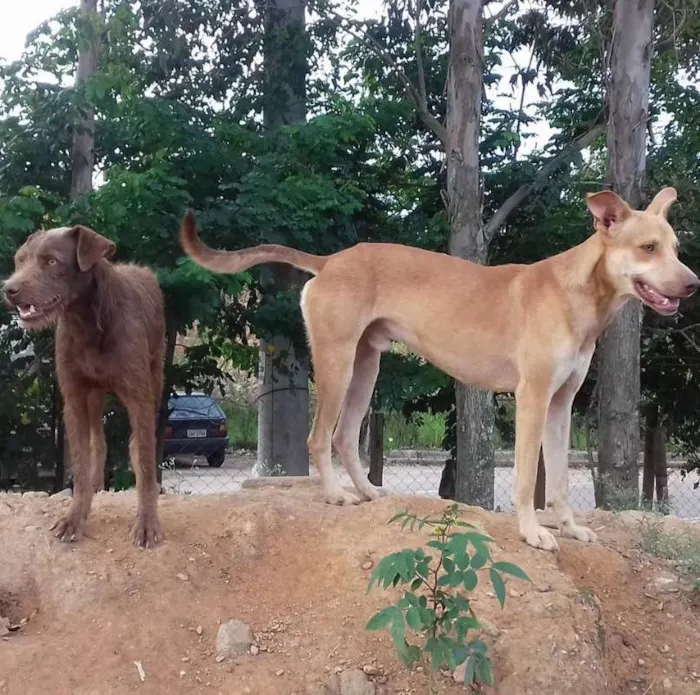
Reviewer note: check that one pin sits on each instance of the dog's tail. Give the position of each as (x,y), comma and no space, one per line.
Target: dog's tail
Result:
(237,261)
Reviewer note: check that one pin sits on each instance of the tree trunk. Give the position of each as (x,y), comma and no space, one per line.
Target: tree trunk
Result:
(283,405)
(651,421)
(83,147)
(162,421)
(655,463)
(376,445)
(83,150)
(475,409)
(628,97)
(660,467)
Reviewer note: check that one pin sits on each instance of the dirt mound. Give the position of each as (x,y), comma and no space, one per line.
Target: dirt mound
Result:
(103,617)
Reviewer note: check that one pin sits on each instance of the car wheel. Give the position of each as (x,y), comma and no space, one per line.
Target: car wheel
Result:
(216,460)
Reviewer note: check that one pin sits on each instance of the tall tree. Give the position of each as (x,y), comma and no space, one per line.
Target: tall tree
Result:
(619,349)
(475,413)
(83,150)
(83,147)
(283,405)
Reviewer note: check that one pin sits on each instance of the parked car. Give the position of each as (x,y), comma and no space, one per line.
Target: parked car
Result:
(196,426)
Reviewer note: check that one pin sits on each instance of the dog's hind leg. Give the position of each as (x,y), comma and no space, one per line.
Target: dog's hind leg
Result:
(346,438)
(139,401)
(333,338)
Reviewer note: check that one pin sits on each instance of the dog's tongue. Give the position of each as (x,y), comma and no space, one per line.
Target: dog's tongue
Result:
(659,299)
(26,312)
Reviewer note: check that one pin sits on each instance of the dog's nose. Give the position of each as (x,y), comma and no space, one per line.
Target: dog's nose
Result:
(693,286)
(11,290)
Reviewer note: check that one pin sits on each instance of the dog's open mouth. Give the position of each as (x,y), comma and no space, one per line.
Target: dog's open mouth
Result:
(660,303)
(34,312)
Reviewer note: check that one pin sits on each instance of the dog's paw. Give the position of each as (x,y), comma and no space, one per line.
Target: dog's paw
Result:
(338,496)
(372,492)
(539,537)
(580,533)
(68,528)
(146,533)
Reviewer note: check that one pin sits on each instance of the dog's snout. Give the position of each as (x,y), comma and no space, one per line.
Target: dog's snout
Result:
(11,290)
(692,285)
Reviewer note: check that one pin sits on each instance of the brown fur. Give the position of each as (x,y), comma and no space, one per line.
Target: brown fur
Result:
(524,329)
(109,339)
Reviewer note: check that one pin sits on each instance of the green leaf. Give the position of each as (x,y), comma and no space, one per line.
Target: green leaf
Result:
(459,654)
(437,657)
(398,516)
(398,628)
(416,584)
(381,620)
(510,568)
(413,619)
(451,579)
(478,647)
(484,674)
(470,580)
(480,558)
(470,670)
(499,586)
(438,545)
(463,561)
(448,564)
(462,626)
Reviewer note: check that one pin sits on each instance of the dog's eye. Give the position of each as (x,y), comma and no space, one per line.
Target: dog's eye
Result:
(51,261)
(649,248)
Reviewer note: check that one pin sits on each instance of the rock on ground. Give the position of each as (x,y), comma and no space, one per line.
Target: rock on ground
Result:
(233,638)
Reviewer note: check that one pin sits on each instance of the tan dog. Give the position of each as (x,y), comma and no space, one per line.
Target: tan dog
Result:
(110,337)
(528,329)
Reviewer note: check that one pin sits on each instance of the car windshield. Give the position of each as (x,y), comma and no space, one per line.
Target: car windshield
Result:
(194,406)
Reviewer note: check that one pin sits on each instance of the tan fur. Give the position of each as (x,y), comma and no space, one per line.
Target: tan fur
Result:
(109,338)
(514,328)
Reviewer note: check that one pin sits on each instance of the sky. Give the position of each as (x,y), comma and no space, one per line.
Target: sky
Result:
(20,18)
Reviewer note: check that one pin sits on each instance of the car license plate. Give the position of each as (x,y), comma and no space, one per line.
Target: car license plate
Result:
(196,434)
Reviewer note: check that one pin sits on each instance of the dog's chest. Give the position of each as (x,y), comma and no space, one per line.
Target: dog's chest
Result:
(85,358)
(573,366)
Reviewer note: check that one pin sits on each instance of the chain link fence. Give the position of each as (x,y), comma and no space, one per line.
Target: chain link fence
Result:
(209,449)
(189,468)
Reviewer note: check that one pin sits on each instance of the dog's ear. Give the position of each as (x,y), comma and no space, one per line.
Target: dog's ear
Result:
(663,201)
(608,210)
(90,247)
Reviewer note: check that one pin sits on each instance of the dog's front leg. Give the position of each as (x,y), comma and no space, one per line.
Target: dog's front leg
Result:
(98,445)
(532,401)
(555,444)
(76,417)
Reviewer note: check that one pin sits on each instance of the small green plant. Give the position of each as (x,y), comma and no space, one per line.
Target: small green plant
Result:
(436,605)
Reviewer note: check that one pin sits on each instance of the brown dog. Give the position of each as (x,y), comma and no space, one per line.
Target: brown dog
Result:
(524,329)
(109,338)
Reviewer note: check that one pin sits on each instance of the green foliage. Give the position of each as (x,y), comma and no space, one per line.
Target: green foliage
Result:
(682,549)
(436,605)
(421,430)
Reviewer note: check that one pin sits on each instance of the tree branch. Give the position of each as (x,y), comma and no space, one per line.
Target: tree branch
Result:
(663,45)
(501,215)
(419,103)
(422,91)
(503,11)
